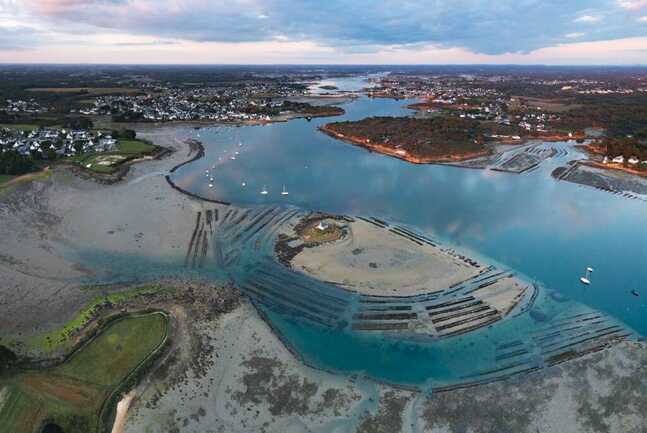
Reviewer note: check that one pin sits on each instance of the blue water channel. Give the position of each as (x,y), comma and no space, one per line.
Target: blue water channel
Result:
(546,230)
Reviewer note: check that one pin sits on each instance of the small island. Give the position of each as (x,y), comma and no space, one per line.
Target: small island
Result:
(437,139)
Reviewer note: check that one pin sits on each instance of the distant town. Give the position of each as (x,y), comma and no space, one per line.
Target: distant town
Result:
(45,119)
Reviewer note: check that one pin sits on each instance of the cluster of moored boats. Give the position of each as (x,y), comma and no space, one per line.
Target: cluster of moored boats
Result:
(209,174)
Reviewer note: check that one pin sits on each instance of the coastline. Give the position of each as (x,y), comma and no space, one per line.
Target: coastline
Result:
(389,151)
(281,118)
(224,351)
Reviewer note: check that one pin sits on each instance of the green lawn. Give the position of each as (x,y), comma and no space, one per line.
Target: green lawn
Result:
(134,146)
(127,148)
(72,394)
(6,178)
(61,337)
(5,187)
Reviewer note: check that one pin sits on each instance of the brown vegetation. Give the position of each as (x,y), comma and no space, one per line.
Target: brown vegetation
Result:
(415,140)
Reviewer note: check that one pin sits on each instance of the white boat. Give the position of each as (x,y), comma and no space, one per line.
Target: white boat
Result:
(244,184)
(211,185)
(264,191)
(586,278)
(232,157)
(211,179)
(285,191)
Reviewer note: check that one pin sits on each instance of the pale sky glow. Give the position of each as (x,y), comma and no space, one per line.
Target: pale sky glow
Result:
(334,32)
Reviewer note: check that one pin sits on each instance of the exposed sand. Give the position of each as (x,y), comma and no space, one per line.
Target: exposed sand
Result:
(122,412)
(375,261)
(240,377)
(501,295)
(252,383)
(3,397)
(43,221)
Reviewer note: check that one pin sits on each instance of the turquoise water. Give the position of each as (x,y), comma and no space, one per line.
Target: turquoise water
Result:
(546,231)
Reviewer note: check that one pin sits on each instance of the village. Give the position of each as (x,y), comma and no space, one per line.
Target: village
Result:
(251,101)
(23,106)
(52,143)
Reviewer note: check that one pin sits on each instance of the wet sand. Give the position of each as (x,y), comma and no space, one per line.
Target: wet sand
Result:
(122,412)
(613,181)
(233,373)
(375,261)
(46,220)
(251,383)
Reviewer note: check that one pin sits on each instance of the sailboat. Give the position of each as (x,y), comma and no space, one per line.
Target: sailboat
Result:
(285,191)
(586,278)
(264,191)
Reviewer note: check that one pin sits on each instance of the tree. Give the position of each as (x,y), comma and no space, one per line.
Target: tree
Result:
(78,147)
(51,154)
(7,357)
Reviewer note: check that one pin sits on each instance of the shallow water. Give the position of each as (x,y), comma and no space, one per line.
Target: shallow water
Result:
(546,231)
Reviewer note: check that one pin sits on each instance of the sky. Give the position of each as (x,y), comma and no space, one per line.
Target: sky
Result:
(324,31)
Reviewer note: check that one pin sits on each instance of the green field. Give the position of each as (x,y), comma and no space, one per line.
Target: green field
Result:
(73,394)
(7,186)
(135,146)
(46,343)
(126,148)
(5,178)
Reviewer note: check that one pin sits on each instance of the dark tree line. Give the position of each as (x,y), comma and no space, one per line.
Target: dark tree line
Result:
(13,163)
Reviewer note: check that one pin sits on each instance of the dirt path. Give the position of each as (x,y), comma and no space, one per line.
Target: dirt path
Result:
(122,412)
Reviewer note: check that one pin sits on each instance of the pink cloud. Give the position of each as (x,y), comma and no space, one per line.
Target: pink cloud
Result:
(633,5)
(54,7)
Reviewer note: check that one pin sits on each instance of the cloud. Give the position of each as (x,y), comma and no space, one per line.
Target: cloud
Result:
(573,35)
(350,26)
(19,38)
(587,19)
(642,19)
(632,4)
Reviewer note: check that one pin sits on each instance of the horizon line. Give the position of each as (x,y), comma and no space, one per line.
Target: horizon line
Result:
(583,65)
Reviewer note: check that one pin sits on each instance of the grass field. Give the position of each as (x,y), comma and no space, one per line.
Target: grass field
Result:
(6,178)
(135,147)
(55,339)
(125,148)
(72,394)
(9,184)
(88,90)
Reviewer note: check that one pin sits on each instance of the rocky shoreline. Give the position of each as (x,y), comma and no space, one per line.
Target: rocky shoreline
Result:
(226,369)
(389,150)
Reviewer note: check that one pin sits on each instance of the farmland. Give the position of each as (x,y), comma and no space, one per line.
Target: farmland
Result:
(77,395)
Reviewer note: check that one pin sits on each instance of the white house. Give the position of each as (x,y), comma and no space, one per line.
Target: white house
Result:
(619,159)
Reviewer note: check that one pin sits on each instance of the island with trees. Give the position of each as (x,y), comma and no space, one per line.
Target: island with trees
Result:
(429,140)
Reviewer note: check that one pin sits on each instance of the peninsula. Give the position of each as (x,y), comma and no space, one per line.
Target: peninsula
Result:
(421,141)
